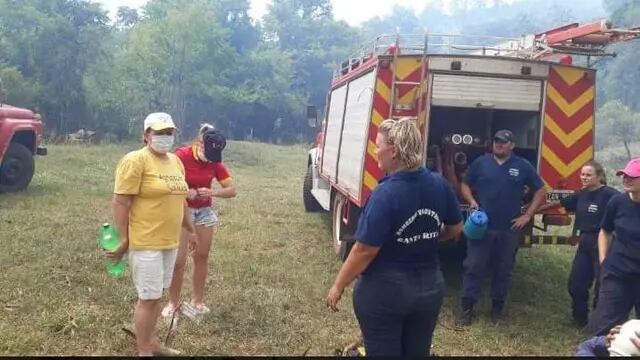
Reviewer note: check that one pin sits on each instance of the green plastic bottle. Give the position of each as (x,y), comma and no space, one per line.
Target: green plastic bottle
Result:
(109,241)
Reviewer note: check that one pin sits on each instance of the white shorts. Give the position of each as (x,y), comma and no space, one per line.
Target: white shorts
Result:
(152,271)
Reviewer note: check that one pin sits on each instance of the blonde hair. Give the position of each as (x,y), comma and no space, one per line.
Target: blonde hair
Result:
(204,127)
(405,136)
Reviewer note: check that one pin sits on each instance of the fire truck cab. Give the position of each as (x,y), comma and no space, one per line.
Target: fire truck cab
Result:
(459,95)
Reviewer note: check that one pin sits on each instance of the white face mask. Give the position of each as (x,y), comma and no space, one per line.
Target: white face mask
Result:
(162,143)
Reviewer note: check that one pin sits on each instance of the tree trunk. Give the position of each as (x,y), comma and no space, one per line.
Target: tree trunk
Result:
(626,147)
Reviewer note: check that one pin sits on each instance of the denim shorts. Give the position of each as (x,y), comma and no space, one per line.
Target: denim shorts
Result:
(205,216)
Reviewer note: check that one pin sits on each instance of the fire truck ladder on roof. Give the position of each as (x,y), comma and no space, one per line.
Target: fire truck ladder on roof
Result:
(572,39)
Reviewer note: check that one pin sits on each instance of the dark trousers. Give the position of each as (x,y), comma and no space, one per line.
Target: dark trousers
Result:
(398,311)
(497,252)
(618,294)
(585,269)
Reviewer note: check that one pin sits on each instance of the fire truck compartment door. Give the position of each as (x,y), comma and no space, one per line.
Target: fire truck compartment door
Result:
(354,134)
(486,92)
(333,132)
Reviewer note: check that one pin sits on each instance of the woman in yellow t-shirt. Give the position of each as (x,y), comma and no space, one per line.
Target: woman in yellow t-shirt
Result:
(149,211)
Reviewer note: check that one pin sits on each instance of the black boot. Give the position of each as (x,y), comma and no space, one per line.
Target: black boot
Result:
(465,317)
(580,319)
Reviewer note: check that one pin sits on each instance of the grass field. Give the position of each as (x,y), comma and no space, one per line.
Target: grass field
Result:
(272,267)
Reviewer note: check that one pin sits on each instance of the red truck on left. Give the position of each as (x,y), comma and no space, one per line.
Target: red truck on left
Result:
(20,141)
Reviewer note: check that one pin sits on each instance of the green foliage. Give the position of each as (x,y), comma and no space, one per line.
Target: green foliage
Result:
(203,60)
(616,125)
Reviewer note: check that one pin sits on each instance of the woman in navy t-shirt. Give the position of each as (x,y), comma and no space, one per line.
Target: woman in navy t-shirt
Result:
(589,205)
(620,258)
(399,291)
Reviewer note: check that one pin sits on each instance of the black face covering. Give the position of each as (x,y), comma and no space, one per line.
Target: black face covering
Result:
(214,143)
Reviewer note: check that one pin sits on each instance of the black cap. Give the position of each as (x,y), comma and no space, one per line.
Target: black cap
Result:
(503,135)
(214,143)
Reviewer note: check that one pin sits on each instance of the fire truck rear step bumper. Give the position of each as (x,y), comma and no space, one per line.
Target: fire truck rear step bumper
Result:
(545,240)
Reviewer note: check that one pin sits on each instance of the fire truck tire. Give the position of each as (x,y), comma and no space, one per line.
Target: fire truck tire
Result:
(310,202)
(340,230)
(345,249)
(17,168)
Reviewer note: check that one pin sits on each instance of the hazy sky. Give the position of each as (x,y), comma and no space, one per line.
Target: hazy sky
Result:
(352,11)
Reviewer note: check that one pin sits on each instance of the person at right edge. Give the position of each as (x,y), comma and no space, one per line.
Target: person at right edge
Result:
(498,182)
(620,258)
(588,204)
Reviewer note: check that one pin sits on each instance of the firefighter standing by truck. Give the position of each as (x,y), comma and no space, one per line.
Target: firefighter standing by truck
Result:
(498,180)
(589,205)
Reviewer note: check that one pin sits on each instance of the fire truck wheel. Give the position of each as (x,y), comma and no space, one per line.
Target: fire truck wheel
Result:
(310,202)
(17,168)
(345,249)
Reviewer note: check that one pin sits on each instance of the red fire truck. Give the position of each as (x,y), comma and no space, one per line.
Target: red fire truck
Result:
(459,91)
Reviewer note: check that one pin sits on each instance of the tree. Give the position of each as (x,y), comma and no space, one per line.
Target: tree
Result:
(126,17)
(616,123)
(52,43)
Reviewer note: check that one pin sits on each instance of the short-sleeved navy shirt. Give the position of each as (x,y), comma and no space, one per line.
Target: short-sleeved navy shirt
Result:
(499,188)
(623,216)
(589,207)
(404,216)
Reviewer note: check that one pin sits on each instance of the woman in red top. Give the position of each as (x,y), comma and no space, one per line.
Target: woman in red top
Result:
(202,163)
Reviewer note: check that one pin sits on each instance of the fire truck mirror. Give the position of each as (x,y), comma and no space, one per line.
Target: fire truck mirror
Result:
(312,116)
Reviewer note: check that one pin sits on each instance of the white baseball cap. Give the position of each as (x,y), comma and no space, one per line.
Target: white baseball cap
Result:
(621,344)
(158,121)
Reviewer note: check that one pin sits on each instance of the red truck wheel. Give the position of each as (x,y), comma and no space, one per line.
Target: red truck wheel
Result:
(17,168)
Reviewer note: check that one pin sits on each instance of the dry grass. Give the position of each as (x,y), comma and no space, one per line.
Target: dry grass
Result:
(272,266)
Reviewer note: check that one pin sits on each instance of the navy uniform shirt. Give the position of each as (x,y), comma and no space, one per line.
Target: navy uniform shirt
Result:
(499,189)
(623,216)
(404,216)
(589,207)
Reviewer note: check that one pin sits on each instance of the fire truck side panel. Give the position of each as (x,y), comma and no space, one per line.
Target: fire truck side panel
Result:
(353,146)
(333,133)
(568,130)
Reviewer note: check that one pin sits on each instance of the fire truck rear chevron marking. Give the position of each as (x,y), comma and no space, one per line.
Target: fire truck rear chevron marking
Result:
(570,108)
(568,75)
(371,150)
(567,139)
(381,101)
(569,92)
(566,169)
(383,89)
(376,118)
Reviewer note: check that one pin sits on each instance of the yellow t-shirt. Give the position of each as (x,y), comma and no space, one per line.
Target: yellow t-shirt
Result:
(159,190)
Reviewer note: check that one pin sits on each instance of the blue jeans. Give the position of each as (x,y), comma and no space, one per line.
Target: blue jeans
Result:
(398,310)
(497,250)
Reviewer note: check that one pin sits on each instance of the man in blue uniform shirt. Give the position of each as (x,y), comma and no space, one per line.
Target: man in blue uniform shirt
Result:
(498,183)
